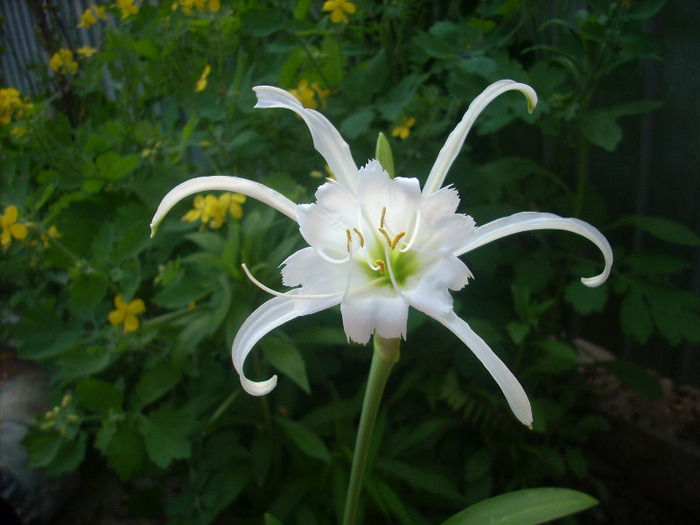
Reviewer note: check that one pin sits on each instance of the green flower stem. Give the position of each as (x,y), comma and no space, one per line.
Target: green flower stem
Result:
(386,353)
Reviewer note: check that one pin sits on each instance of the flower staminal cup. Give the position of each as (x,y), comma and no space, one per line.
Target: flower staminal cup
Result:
(378,245)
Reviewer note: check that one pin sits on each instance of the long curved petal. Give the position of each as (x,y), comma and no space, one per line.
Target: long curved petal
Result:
(532,220)
(454,142)
(509,385)
(224,183)
(327,140)
(266,318)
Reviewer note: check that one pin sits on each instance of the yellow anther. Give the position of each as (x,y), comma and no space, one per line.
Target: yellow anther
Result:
(381,220)
(382,266)
(347,232)
(396,240)
(362,239)
(66,400)
(386,236)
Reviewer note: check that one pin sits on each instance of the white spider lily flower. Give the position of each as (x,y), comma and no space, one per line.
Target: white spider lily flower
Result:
(378,245)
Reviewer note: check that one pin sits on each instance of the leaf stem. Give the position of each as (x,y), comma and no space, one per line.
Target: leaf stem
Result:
(386,353)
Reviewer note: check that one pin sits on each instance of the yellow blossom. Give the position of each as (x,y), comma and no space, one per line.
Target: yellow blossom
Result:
(305,94)
(51,233)
(86,51)
(212,210)
(62,62)
(126,313)
(11,105)
(339,9)
(403,130)
(202,82)
(18,132)
(99,11)
(10,227)
(88,19)
(127,7)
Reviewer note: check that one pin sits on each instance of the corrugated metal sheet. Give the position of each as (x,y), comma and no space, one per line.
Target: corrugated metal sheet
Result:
(23,55)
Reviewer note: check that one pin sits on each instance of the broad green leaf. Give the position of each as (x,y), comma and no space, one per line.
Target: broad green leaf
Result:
(636,377)
(271,520)
(69,456)
(286,358)
(123,447)
(81,361)
(524,507)
(586,300)
(99,396)
(156,381)
(87,290)
(664,229)
(165,433)
(357,124)
(600,128)
(635,318)
(308,442)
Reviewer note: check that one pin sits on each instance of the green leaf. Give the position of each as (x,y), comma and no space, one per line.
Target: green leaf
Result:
(663,229)
(584,299)
(165,433)
(123,447)
(636,377)
(156,381)
(271,520)
(524,507)
(357,124)
(99,396)
(600,128)
(81,361)
(635,318)
(113,167)
(87,290)
(146,49)
(634,107)
(286,358)
(308,442)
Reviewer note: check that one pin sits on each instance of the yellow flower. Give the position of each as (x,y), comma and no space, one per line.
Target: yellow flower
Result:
(10,227)
(403,130)
(18,132)
(126,313)
(11,105)
(88,19)
(305,94)
(212,211)
(86,51)
(51,233)
(214,5)
(127,7)
(339,9)
(99,11)
(202,82)
(235,208)
(62,62)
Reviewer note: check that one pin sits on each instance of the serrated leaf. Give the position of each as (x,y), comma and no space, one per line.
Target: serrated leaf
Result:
(123,447)
(636,377)
(663,229)
(600,128)
(99,396)
(635,318)
(156,381)
(308,442)
(524,507)
(584,299)
(165,433)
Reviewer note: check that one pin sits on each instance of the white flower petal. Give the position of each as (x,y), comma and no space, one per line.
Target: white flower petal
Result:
(441,228)
(454,142)
(531,220)
(266,318)
(429,291)
(223,183)
(515,395)
(326,138)
(381,311)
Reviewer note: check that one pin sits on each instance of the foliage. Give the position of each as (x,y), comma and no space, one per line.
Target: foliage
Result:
(167,96)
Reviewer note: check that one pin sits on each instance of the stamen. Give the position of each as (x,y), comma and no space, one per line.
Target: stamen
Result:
(362,239)
(386,235)
(381,220)
(347,232)
(396,240)
(414,234)
(382,266)
(288,294)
